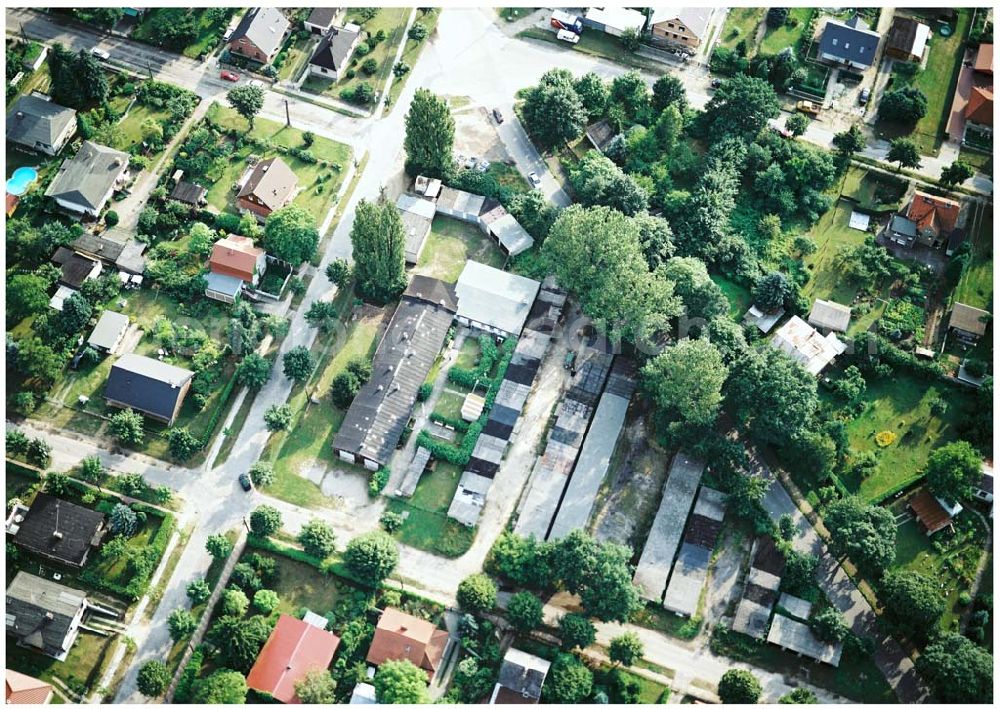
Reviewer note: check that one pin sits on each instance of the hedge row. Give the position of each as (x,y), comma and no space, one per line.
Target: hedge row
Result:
(487,358)
(182,693)
(457,424)
(377,482)
(219,410)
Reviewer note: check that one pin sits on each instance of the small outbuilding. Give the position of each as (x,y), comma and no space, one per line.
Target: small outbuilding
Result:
(417,215)
(829,316)
(109,331)
(968,323)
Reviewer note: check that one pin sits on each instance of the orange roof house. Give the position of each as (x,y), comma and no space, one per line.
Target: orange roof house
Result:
(983,62)
(294,649)
(935,217)
(236,256)
(931,512)
(22,689)
(980,107)
(400,636)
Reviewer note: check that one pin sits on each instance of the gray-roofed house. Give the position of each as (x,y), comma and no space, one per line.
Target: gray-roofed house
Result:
(469,499)
(850,43)
(320,20)
(189,193)
(40,125)
(829,316)
(149,386)
(968,323)
(414,337)
(125,256)
(109,331)
(901,230)
(56,529)
(269,186)
(43,615)
(85,182)
(521,678)
(334,52)
(260,34)
(417,215)
(492,300)
(682,26)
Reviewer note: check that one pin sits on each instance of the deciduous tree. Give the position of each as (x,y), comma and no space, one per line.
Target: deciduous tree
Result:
(290,234)
(685,381)
(739,687)
(430,135)
(317,538)
(378,241)
(247,100)
(959,671)
(371,557)
(400,682)
(952,470)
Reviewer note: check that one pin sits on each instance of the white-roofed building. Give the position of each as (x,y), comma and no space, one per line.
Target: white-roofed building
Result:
(803,343)
(614,20)
(830,316)
(493,300)
(417,215)
(109,331)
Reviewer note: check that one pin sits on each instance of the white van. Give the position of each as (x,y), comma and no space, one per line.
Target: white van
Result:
(568,36)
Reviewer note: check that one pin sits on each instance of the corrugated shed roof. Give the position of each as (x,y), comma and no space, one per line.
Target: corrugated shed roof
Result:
(493,297)
(830,315)
(798,637)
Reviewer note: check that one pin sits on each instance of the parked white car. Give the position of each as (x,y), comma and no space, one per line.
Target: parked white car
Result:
(568,36)
(100,54)
(536,182)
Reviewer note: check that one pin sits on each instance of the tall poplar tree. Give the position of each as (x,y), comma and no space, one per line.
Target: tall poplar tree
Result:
(378,239)
(430,135)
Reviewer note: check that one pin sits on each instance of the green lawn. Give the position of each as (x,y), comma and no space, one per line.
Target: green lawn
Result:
(976,285)
(314,425)
(82,668)
(831,233)
(948,558)
(980,160)
(297,55)
(595,44)
(314,196)
(392,21)
(739,296)
(778,39)
(468,355)
(300,585)
(872,190)
(450,244)
(900,404)
(427,525)
(131,124)
(449,404)
(741,24)
(937,82)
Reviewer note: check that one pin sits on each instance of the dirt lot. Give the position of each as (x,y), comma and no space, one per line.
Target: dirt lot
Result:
(476,134)
(626,506)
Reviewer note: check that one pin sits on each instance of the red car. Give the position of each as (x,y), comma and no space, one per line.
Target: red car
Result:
(229,75)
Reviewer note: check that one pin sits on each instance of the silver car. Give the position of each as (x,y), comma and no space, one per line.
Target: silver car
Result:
(534,180)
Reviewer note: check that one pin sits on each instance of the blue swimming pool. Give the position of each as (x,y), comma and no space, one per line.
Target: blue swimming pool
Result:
(22,178)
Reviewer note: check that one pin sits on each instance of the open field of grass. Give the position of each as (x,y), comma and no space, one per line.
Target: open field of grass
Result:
(741,24)
(391,21)
(309,440)
(976,285)
(300,585)
(131,124)
(901,404)
(298,53)
(779,38)
(831,234)
(427,525)
(595,44)
(450,244)
(937,82)
(314,196)
(82,668)
(872,190)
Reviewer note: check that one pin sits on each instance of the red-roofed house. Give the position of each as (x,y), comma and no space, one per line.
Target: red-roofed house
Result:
(400,636)
(237,256)
(979,110)
(22,689)
(935,218)
(971,119)
(294,649)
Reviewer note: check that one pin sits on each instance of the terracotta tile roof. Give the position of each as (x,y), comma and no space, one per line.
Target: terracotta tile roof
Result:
(980,107)
(929,511)
(400,636)
(22,689)
(936,213)
(984,59)
(235,256)
(294,649)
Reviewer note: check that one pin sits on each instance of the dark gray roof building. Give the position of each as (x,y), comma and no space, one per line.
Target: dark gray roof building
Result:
(44,615)
(75,269)
(377,416)
(335,49)
(320,19)
(125,256)
(41,125)
(851,43)
(521,678)
(149,386)
(56,529)
(188,193)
